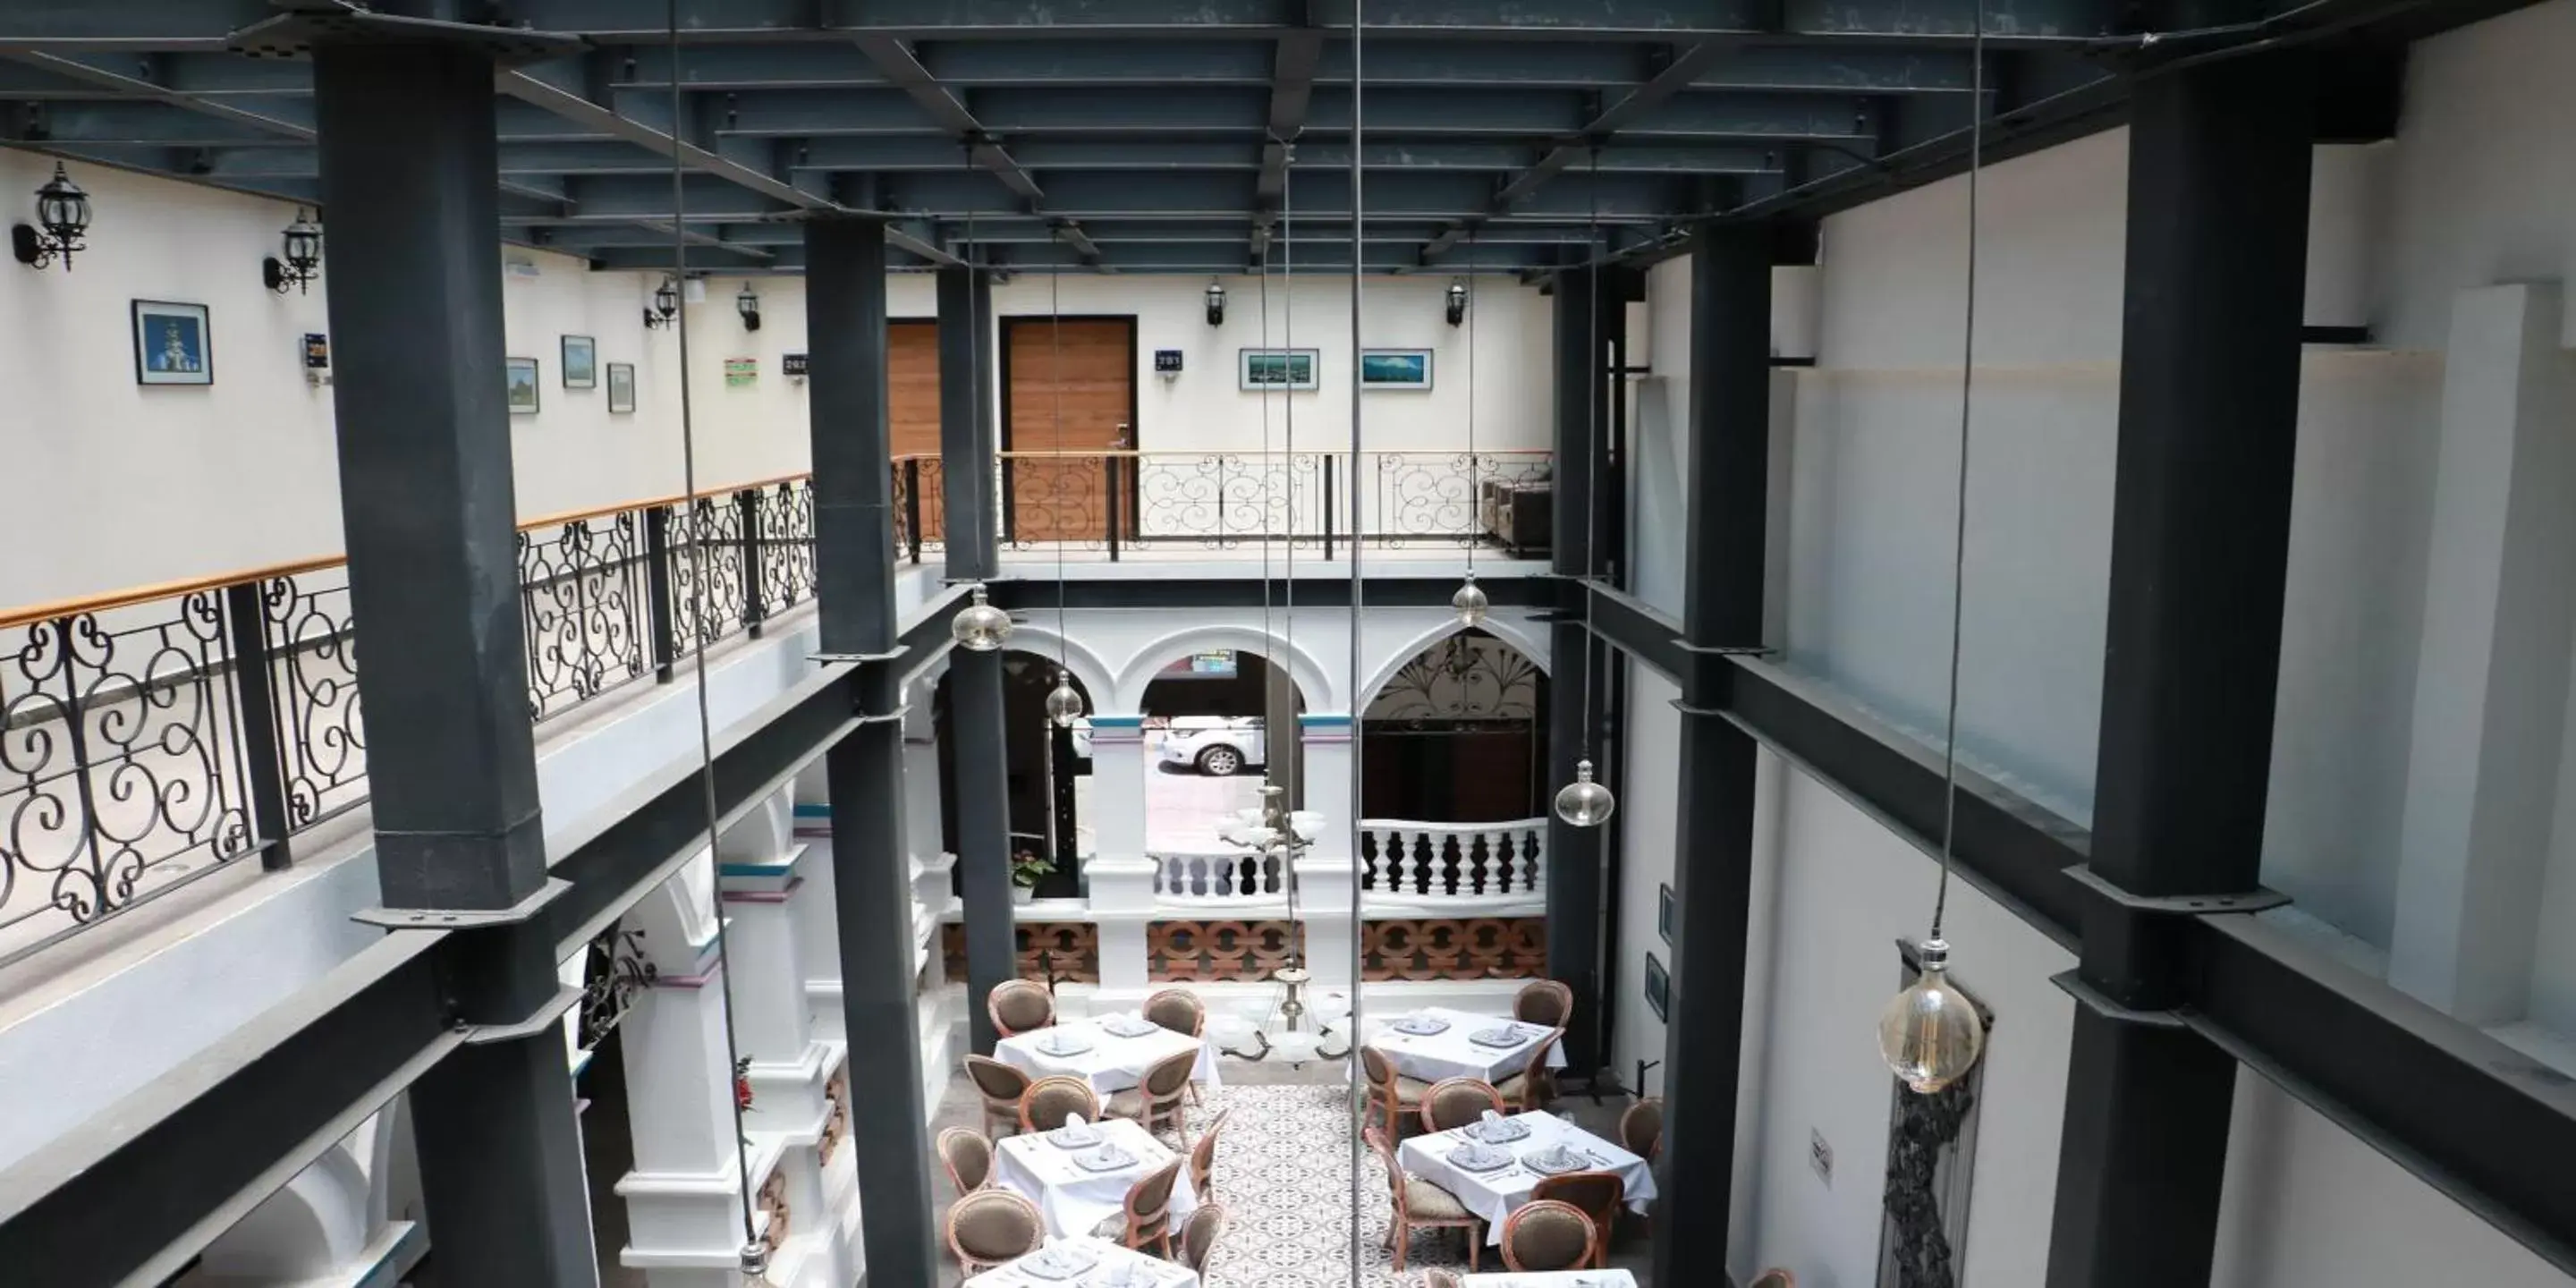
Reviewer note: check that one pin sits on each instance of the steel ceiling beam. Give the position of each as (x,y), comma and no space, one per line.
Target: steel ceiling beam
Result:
(895,60)
(1292,92)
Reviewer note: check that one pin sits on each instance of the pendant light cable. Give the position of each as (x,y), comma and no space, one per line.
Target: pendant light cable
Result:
(698,546)
(1359,1104)
(1593,250)
(1959,530)
(1475,499)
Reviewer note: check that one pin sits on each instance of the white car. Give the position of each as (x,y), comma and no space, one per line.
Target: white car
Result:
(1215,745)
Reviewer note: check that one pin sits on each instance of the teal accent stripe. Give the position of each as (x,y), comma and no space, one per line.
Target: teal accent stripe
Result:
(1117,722)
(813,811)
(1324,722)
(754,869)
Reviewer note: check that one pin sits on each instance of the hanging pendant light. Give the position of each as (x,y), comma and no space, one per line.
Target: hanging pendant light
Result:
(979,627)
(1470,603)
(1583,802)
(1064,705)
(755,1265)
(1930,1033)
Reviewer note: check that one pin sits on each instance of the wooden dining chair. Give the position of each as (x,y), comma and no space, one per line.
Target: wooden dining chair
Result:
(1001,1085)
(1456,1102)
(1392,1096)
(1442,1279)
(1641,1128)
(1544,1234)
(991,1226)
(1199,1234)
(1161,1097)
(1598,1194)
(1144,1220)
(1049,1101)
(1179,1010)
(1018,1006)
(1534,1087)
(968,1156)
(1203,1158)
(1544,1001)
(1420,1203)
(1774,1278)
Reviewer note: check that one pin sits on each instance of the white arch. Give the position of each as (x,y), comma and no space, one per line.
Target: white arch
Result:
(1512,632)
(313,1225)
(1088,670)
(1313,684)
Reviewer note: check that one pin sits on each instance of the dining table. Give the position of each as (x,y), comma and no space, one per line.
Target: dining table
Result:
(1110,1052)
(1462,1045)
(1107,1262)
(1073,1197)
(1492,1193)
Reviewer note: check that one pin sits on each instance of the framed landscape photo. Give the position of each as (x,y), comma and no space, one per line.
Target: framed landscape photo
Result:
(1395,369)
(522,373)
(580,362)
(1291,369)
(174,344)
(621,388)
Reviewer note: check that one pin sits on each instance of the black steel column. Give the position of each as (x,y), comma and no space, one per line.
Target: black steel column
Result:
(1727,488)
(1574,853)
(987,432)
(854,591)
(982,780)
(410,174)
(2209,401)
(966,481)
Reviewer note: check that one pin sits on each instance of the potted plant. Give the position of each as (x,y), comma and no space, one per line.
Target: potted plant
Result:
(1027,869)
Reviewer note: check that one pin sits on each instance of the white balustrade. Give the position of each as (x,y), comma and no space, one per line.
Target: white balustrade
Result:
(1469,863)
(1216,878)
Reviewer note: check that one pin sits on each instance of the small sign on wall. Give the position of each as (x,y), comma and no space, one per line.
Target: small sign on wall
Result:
(792,366)
(317,359)
(1167,362)
(1664,912)
(1820,1156)
(1659,987)
(741,372)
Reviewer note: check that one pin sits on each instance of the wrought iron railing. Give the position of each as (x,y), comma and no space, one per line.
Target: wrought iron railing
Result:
(1113,501)
(153,736)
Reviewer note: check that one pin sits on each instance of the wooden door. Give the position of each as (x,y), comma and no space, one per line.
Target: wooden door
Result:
(912,412)
(1070,387)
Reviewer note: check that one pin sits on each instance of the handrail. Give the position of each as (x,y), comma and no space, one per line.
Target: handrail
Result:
(29,614)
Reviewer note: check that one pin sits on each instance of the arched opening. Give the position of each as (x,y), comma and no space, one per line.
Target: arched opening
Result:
(1044,768)
(1209,743)
(1458,734)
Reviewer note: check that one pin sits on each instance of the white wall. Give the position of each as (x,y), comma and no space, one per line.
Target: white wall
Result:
(121,485)
(1204,408)
(1649,804)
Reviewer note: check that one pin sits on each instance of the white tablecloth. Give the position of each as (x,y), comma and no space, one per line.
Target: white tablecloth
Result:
(1112,1063)
(1492,1195)
(1075,1200)
(1450,1054)
(1548,1279)
(1167,1274)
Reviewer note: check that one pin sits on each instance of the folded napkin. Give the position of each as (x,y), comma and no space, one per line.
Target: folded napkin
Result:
(1477,1157)
(1075,1134)
(1107,1158)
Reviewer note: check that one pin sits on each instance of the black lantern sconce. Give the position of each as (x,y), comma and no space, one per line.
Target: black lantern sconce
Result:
(1216,303)
(748,305)
(665,306)
(62,215)
(1457,300)
(302,242)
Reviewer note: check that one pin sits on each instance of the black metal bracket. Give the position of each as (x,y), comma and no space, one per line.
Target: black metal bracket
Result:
(2100,1003)
(1726,650)
(2178,905)
(524,910)
(546,1018)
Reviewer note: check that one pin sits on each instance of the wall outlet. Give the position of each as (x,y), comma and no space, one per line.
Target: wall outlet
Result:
(1820,1156)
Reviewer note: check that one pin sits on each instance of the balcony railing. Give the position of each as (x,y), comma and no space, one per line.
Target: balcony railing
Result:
(1116,502)
(153,736)
(1402,860)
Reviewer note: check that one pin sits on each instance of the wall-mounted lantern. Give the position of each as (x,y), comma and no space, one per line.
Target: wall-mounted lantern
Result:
(665,306)
(1216,303)
(302,243)
(62,215)
(1457,300)
(748,305)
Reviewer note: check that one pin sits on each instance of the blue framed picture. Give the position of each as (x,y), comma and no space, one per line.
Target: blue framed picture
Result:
(1402,369)
(174,344)
(1659,988)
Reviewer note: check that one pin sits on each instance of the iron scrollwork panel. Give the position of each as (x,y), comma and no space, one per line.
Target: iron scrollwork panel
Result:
(1223,500)
(121,762)
(322,734)
(582,589)
(786,545)
(707,570)
(1437,496)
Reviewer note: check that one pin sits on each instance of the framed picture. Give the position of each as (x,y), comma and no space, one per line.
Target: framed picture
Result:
(174,344)
(580,362)
(621,388)
(1292,369)
(1664,912)
(1395,368)
(523,385)
(1659,987)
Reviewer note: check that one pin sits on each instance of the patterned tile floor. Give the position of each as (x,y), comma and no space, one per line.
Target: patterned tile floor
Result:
(1283,1173)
